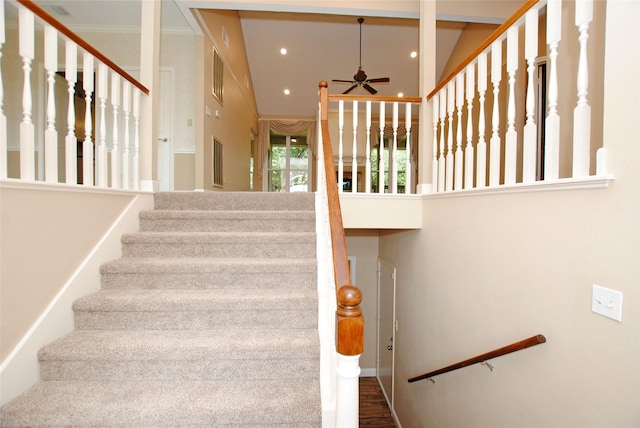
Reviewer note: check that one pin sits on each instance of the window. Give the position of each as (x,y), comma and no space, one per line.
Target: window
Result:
(216,164)
(288,164)
(218,73)
(386,159)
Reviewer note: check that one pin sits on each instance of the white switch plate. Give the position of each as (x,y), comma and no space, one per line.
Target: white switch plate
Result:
(607,302)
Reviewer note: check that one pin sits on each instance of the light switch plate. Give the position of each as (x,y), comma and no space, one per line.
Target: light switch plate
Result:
(607,302)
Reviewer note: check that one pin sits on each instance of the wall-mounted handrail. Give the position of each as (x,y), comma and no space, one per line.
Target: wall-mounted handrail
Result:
(37,10)
(517,346)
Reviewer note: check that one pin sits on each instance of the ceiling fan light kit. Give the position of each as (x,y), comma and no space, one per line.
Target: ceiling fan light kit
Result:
(360,78)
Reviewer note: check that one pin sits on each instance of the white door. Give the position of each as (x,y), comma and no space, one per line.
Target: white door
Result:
(165,132)
(386,327)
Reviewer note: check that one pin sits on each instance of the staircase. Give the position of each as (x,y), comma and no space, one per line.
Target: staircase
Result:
(208,319)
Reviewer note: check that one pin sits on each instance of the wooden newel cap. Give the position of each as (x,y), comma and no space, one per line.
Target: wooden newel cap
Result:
(323,84)
(349,299)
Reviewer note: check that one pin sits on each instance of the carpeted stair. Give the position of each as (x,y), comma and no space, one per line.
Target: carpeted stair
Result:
(208,319)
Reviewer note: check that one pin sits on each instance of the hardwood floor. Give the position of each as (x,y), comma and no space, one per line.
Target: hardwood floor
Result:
(374,412)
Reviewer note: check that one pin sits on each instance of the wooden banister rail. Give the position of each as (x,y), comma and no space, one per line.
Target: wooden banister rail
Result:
(518,346)
(493,37)
(349,319)
(37,10)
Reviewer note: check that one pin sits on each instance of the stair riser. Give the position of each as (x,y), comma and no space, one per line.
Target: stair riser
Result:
(230,225)
(209,281)
(179,370)
(239,250)
(195,320)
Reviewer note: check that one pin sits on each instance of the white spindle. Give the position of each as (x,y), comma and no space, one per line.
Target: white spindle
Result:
(393,174)
(354,150)
(530,127)
(27,132)
(450,108)
(582,112)
(101,155)
(340,130)
(87,144)
(457,182)
(552,123)
(136,138)
(435,108)
(50,133)
(3,118)
(367,165)
(115,149)
(126,110)
(71,142)
(481,161)
(381,148)
(511,137)
(468,151)
(441,159)
(494,148)
(408,185)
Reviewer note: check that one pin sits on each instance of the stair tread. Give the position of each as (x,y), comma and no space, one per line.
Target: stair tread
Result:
(197,300)
(146,265)
(224,214)
(168,403)
(123,345)
(220,238)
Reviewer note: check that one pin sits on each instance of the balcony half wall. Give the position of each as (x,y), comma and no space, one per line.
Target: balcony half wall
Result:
(374,211)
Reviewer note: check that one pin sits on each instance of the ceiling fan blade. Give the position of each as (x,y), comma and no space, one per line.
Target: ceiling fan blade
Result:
(350,89)
(379,80)
(370,89)
(342,81)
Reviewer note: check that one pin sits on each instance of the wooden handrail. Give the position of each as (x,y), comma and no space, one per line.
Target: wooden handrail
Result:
(493,37)
(349,319)
(29,4)
(518,346)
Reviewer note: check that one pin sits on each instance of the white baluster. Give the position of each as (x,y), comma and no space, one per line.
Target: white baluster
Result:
(441,161)
(582,112)
(71,142)
(393,173)
(381,149)
(450,108)
(27,131)
(136,139)
(126,109)
(101,155)
(457,182)
(481,161)
(435,108)
(354,150)
(468,151)
(50,133)
(552,123)
(511,137)
(408,185)
(115,149)
(87,144)
(3,118)
(530,127)
(367,165)
(340,129)
(494,148)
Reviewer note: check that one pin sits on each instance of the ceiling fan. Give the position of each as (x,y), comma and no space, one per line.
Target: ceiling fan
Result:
(360,78)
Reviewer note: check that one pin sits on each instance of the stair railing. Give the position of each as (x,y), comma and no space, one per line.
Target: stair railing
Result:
(340,392)
(483,358)
(107,154)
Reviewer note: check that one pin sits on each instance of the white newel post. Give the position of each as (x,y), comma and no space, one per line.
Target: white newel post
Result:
(468,151)
(511,137)
(3,118)
(70,141)
(347,406)
(530,127)
(27,131)
(87,144)
(50,133)
(367,167)
(582,112)
(552,123)
(354,150)
(340,145)
(494,143)
(481,162)
(457,182)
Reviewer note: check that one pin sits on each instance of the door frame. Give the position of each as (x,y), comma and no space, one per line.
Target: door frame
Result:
(392,268)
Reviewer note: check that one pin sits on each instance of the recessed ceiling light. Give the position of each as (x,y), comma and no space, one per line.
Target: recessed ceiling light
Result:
(287,92)
(400,94)
(283,51)
(414,54)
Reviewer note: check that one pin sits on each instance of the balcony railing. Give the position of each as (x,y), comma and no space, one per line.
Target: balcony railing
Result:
(94,127)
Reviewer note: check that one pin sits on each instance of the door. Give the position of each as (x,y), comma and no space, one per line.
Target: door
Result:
(386,327)
(165,132)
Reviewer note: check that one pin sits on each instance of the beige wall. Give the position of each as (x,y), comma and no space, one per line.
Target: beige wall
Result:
(234,119)
(489,270)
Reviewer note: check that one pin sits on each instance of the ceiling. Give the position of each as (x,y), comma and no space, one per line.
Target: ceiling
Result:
(320,47)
